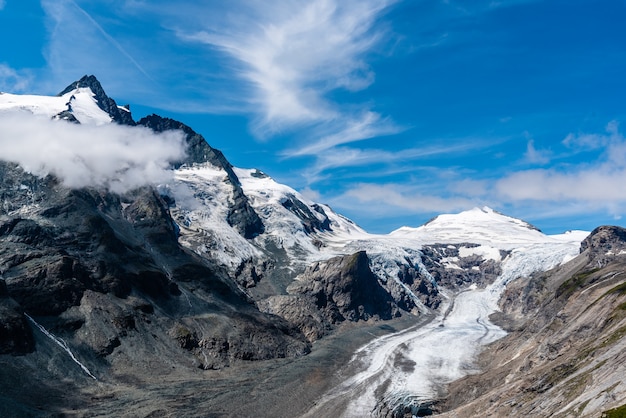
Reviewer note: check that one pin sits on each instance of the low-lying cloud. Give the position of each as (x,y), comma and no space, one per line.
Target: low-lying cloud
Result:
(113,157)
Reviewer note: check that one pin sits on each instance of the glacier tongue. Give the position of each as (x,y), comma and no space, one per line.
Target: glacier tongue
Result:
(409,369)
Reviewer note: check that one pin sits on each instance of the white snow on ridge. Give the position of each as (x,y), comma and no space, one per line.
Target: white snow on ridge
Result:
(81,101)
(477,226)
(202,195)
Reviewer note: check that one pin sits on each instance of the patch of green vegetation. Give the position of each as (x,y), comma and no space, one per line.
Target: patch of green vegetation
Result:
(619,412)
(619,289)
(576,385)
(613,338)
(568,287)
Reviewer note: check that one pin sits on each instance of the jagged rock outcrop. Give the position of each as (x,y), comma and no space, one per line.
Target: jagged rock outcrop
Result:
(453,269)
(329,292)
(310,222)
(106,274)
(344,288)
(240,214)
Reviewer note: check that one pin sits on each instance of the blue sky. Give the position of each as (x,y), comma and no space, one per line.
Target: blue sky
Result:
(389,111)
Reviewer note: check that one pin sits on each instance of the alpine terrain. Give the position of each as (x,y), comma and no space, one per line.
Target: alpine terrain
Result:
(144,275)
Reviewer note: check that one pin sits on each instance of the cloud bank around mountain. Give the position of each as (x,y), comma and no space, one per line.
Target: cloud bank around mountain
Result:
(114,157)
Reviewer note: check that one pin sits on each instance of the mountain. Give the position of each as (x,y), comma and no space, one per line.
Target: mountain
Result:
(186,286)
(564,354)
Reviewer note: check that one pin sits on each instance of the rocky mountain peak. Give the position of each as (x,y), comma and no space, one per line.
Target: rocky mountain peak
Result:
(605,239)
(119,115)
(241,215)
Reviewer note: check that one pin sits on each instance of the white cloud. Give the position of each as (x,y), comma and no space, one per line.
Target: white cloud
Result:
(11,80)
(592,141)
(369,125)
(114,157)
(311,194)
(384,199)
(572,189)
(597,183)
(293,53)
(78,45)
(328,159)
(535,156)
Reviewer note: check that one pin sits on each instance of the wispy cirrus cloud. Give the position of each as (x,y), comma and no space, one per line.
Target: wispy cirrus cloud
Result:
(294,56)
(295,53)
(534,155)
(596,186)
(369,199)
(343,156)
(13,80)
(78,44)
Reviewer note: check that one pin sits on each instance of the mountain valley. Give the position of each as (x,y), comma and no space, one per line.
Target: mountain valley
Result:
(185,286)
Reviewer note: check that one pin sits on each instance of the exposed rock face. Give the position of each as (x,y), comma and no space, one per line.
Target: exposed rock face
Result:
(603,243)
(329,292)
(241,215)
(106,274)
(464,270)
(15,334)
(309,220)
(566,351)
(345,288)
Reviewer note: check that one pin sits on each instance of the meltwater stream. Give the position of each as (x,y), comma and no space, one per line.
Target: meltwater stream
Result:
(412,367)
(61,343)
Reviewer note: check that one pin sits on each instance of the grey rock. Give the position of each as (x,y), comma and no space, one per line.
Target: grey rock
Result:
(344,288)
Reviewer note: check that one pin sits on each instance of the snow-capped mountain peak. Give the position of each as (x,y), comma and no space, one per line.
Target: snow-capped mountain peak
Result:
(83,101)
(79,105)
(478,225)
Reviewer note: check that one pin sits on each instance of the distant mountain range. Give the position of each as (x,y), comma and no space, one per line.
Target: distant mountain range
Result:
(132,274)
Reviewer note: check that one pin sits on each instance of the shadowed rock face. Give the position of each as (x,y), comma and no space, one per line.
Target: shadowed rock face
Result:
(15,334)
(329,292)
(345,288)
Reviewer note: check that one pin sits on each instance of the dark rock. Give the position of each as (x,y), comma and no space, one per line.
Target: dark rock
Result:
(16,336)
(344,288)
(67,116)
(309,220)
(605,239)
(198,150)
(240,214)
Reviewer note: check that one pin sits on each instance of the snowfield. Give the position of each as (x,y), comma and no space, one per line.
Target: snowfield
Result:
(81,100)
